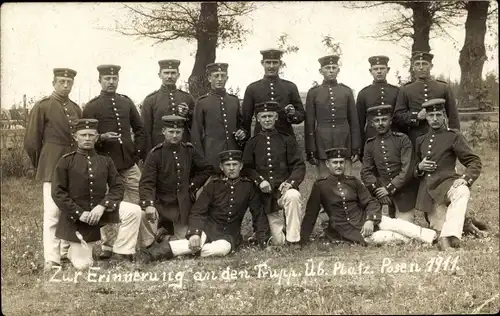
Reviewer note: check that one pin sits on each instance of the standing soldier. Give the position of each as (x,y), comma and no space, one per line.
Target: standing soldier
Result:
(274,163)
(443,194)
(173,172)
(48,137)
(272,87)
(217,121)
(387,165)
(117,115)
(378,93)
(167,100)
(331,118)
(409,113)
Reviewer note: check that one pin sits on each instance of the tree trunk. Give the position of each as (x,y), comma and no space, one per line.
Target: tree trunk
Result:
(473,55)
(208,26)
(422,22)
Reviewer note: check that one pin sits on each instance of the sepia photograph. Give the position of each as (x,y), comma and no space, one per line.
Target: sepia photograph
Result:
(249,158)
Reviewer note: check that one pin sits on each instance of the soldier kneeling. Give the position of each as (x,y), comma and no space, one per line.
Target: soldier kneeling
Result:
(215,219)
(355,215)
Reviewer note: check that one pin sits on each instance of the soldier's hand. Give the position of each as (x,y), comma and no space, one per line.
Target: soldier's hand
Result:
(385,200)
(458,183)
(84,217)
(95,214)
(381,192)
(312,159)
(110,136)
(354,158)
(290,109)
(421,114)
(427,165)
(195,243)
(183,109)
(265,186)
(151,214)
(240,134)
(284,186)
(367,229)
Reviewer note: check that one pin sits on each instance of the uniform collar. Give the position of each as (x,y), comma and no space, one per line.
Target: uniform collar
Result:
(168,88)
(271,78)
(379,81)
(60,98)
(268,132)
(330,82)
(383,136)
(108,94)
(337,178)
(219,92)
(84,152)
(439,130)
(170,145)
(231,181)
(424,80)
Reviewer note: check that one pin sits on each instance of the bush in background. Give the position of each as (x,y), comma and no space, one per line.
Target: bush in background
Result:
(14,162)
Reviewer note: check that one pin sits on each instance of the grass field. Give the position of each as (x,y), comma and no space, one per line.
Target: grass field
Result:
(322,278)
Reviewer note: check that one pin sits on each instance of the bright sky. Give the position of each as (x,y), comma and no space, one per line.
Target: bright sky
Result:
(37,37)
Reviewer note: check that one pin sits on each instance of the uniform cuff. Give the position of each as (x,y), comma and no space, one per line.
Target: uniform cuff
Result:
(469,180)
(145,204)
(391,188)
(109,204)
(371,187)
(192,232)
(418,173)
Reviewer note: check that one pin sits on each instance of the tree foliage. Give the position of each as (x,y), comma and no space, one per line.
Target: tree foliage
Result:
(287,48)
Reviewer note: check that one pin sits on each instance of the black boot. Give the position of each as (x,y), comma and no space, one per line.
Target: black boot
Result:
(159,251)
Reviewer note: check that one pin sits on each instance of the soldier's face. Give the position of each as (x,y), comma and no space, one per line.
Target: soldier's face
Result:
(329,72)
(109,83)
(435,119)
(218,79)
(86,138)
(172,135)
(381,123)
(422,69)
(336,166)
(271,66)
(62,85)
(379,72)
(231,168)
(169,76)
(267,120)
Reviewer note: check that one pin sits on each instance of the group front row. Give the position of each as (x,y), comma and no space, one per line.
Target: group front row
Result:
(89,192)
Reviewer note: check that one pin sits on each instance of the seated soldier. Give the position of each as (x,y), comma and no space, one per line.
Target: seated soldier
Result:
(443,194)
(215,218)
(273,161)
(80,190)
(354,214)
(388,165)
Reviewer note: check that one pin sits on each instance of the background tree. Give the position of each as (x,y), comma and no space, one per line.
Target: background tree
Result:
(209,24)
(284,44)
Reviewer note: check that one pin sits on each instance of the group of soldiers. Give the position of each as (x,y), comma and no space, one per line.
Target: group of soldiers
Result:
(203,168)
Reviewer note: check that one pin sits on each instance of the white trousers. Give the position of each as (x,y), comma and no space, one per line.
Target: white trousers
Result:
(449,220)
(398,230)
(53,248)
(291,204)
(80,254)
(219,247)
(130,178)
(147,231)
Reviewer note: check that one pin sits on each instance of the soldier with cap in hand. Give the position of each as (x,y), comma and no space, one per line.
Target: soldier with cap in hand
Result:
(118,118)
(173,172)
(408,112)
(355,216)
(217,121)
(47,138)
(215,219)
(387,169)
(88,190)
(168,100)
(443,194)
(273,88)
(380,92)
(331,118)
(273,161)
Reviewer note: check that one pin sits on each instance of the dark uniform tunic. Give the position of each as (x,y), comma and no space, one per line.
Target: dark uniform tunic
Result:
(273,89)
(216,118)
(388,161)
(348,205)
(221,207)
(443,146)
(274,157)
(49,133)
(331,120)
(117,113)
(80,183)
(409,103)
(160,103)
(378,93)
(165,179)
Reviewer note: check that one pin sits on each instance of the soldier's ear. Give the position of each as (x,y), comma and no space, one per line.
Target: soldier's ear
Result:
(262,62)
(388,68)
(74,136)
(221,166)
